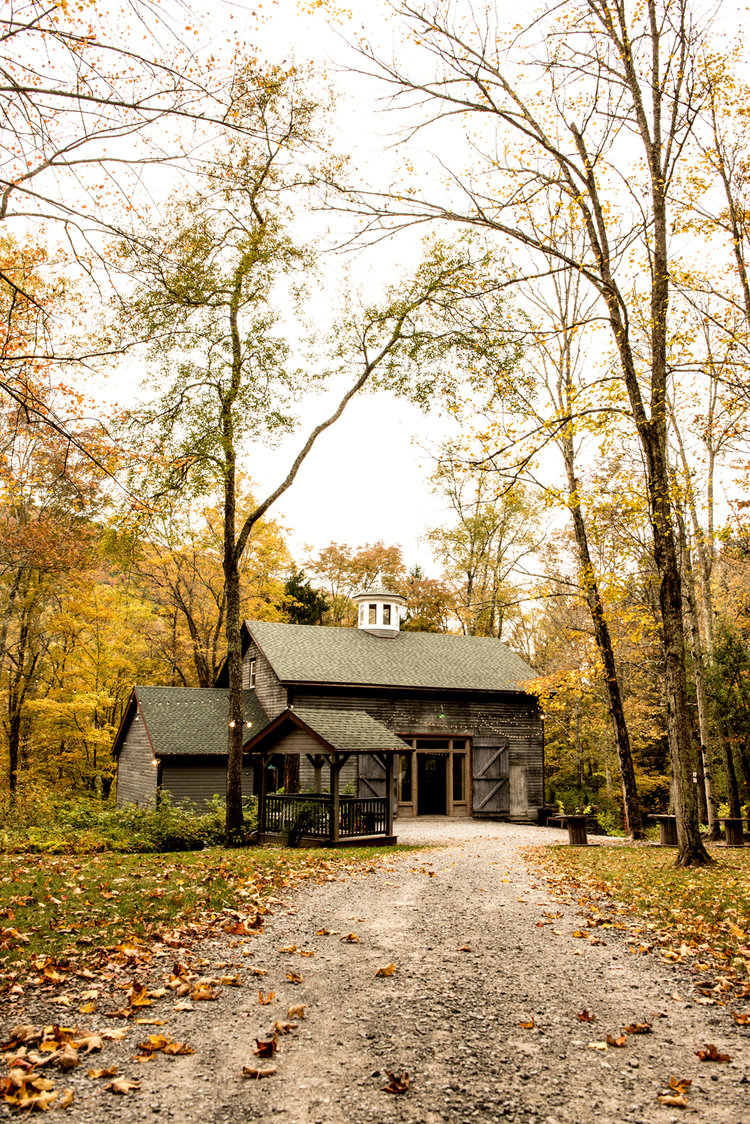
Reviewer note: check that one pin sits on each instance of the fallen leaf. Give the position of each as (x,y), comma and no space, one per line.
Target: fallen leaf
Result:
(122,1085)
(673,1100)
(741,1019)
(679,1085)
(351,938)
(95,1074)
(598,1046)
(710,1054)
(256,1074)
(178,1049)
(637,1028)
(621,1040)
(266,1048)
(528,1025)
(464,948)
(388,970)
(288,948)
(586,1016)
(205,993)
(66,1099)
(297,1011)
(294,978)
(284,1028)
(258,971)
(397,1083)
(264,1000)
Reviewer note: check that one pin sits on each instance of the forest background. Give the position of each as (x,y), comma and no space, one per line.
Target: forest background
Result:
(113,565)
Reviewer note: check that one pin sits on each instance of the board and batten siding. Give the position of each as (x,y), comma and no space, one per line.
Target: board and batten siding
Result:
(136,772)
(494,720)
(300,742)
(271,695)
(194,780)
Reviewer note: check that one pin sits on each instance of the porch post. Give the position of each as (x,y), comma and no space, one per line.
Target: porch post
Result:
(389,793)
(334,835)
(262,791)
(318,774)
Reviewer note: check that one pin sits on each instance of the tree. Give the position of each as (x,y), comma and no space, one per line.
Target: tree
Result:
(495,531)
(344,570)
(637,89)
(204,304)
(301,603)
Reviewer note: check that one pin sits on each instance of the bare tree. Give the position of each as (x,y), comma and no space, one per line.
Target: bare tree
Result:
(597,103)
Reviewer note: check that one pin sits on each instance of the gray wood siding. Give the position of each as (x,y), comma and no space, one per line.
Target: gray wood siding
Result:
(489,721)
(136,775)
(271,694)
(297,741)
(195,780)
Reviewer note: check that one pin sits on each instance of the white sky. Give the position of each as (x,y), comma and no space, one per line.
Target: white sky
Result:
(366,479)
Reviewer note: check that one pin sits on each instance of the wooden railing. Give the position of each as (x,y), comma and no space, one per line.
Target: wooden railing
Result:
(310,814)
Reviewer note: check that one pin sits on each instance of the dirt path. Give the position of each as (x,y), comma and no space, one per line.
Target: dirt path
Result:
(449,1018)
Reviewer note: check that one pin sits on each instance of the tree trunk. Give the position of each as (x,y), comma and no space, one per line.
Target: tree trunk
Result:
(702,791)
(706,756)
(291,772)
(733,794)
(630,802)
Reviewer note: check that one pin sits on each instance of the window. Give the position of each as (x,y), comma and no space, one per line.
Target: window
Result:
(459,777)
(386,614)
(251,678)
(404,777)
(372,615)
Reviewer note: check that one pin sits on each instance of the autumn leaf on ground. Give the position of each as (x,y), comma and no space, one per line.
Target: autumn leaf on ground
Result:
(284,1028)
(388,970)
(96,1074)
(527,1025)
(67,1058)
(598,1046)
(464,948)
(112,1035)
(351,938)
(397,1083)
(66,1099)
(325,933)
(741,1019)
(258,971)
(672,1100)
(637,1028)
(205,993)
(266,1048)
(93,1041)
(710,1054)
(297,1011)
(122,1085)
(256,1074)
(231,981)
(264,1000)
(679,1084)
(178,1049)
(621,1040)
(295,978)
(154,1042)
(586,1016)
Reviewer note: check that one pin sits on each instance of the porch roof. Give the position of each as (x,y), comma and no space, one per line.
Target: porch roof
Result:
(343,731)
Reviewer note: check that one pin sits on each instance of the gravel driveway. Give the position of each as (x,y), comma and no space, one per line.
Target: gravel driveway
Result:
(460,924)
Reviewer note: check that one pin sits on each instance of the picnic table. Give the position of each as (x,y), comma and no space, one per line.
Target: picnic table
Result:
(667,830)
(576,825)
(733,831)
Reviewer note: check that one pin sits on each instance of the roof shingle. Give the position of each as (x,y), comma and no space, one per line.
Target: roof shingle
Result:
(193,720)
(301,653)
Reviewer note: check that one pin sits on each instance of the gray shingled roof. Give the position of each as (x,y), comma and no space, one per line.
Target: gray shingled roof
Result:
(303,653)
(193,720)
(350,731)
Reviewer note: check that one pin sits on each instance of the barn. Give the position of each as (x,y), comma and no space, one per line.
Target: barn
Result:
(443,721)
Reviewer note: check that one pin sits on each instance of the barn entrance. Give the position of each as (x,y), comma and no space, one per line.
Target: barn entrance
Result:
(431,784)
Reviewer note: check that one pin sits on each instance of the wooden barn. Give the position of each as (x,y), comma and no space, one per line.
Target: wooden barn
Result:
(443,721)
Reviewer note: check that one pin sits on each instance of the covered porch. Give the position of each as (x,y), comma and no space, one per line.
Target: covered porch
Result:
(327,738)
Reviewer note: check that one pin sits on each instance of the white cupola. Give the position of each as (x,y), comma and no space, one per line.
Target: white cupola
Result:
(380,611)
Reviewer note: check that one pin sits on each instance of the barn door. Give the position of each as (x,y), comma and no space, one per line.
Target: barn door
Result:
(491,780)
(371,777)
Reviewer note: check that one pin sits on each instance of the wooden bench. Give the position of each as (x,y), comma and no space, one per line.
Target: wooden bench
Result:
(667,830)
(576,825)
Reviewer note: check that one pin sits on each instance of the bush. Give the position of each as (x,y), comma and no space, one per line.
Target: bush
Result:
(85,825)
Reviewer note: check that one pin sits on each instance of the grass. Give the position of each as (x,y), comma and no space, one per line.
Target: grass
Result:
(700,916)
(62,906)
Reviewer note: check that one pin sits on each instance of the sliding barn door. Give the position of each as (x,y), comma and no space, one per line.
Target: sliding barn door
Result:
(491,780)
